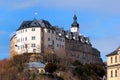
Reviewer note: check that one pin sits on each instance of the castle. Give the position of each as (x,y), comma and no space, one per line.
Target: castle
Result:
(39,36)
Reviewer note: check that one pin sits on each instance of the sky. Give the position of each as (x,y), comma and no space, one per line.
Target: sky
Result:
(98,19)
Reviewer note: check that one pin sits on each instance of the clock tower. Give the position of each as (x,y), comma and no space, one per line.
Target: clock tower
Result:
(75,25)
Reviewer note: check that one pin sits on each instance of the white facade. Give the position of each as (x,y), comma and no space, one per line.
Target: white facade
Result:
(33,38)
(28,40)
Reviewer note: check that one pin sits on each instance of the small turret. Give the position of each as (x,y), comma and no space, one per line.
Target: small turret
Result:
(75,25)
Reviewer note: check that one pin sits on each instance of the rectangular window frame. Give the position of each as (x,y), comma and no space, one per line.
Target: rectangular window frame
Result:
(33,45)
(33,29)
(111,60)
(115,73)
(33,38)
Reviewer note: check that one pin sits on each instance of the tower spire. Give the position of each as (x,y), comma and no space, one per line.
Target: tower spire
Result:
(75,24)
(75,18)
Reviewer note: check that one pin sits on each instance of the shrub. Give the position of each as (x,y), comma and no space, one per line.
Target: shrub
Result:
(50,67)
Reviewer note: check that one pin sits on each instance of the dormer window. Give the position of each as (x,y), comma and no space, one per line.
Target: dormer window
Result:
(60,34)
(67,36)
(74,37)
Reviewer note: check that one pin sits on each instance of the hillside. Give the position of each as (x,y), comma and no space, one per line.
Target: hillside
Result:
(14,70)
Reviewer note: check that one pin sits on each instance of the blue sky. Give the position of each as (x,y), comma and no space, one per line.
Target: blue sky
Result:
(98,19)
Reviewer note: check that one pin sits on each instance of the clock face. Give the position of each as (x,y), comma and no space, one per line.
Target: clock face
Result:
(74,29)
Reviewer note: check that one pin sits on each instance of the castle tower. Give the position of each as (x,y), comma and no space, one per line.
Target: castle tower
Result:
(75,25)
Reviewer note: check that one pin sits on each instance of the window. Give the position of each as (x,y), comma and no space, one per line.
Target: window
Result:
(33,29)
(119,58)
(111,59)
(48,39)
(26,46)
(33,37)
(21,39)
(25,30)
(49,45)
(18,47)
(53,42)
(18,40)
(60,39)
(57,45)
(34,50)
(62,46)
(23,46)
(42,38)
(25,38)
(115,58)
(33,45)
(111,73)
(48,30)
(115,73)
(53,32)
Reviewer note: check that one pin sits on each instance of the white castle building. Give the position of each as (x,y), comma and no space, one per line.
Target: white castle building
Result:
(37,36)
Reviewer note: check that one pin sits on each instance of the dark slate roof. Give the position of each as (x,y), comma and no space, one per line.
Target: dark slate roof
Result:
(112,53)
(34,23)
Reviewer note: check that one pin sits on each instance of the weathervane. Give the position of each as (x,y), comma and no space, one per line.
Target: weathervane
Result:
(35,13)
